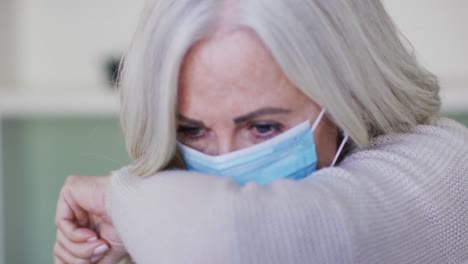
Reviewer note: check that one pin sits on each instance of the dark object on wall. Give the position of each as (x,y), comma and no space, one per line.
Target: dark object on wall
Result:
(112,70)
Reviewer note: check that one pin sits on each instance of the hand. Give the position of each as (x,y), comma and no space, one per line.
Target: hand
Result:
(85,233)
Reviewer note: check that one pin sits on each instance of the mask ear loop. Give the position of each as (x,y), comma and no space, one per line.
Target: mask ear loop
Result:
(317,121)
(340,149)
(343,143)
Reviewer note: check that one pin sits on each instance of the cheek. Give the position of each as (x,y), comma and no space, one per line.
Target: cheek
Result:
(326,136)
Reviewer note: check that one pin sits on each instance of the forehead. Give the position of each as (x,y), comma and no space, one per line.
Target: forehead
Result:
(231,57)
(232,68)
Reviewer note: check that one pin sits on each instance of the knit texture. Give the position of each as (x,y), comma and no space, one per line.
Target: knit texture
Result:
(402,200)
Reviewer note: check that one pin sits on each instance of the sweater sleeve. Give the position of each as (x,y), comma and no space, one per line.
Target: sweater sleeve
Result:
(404,200)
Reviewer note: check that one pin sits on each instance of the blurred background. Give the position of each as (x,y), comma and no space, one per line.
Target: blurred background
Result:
(58,108)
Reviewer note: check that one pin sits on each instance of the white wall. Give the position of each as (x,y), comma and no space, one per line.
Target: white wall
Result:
(438,30)
(63,43)
(7,43)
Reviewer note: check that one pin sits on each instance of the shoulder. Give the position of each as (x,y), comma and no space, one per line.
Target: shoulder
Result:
(403,187)
(443,142)
(441,130)
(426,155)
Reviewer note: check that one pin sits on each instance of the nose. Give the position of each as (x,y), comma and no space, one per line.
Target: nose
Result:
(225,146)
(226,143)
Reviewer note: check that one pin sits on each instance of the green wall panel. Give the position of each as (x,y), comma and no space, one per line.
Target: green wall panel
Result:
(461,117)
(38,155)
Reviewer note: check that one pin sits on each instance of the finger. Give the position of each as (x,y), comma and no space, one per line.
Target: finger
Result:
(65,256)
(97,258)
(67,207)
(114,257)
(58,260)
(75,233)
(82,250)
(81,195)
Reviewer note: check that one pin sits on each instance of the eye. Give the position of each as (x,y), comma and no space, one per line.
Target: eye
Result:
(266,130)
(191,133)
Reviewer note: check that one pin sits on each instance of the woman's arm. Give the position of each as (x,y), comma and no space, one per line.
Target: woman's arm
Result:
(180,217)
(402,201)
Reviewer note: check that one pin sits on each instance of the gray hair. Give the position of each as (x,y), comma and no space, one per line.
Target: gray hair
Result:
(346,55)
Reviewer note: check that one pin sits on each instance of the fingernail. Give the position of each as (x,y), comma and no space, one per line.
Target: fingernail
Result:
(96,258)
(101,249)
(91,239)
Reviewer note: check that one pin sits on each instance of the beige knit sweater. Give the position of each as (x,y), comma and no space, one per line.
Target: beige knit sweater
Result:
(402,200)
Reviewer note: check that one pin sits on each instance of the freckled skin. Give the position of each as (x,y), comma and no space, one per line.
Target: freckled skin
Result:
(232,74)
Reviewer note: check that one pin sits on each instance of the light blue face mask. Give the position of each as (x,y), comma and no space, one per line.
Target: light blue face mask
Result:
(291,155)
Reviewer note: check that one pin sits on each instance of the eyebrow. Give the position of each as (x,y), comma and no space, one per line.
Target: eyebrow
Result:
(190,121)
(240,119)
(261,112)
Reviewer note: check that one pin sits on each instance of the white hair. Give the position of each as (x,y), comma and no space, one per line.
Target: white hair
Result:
(346,55)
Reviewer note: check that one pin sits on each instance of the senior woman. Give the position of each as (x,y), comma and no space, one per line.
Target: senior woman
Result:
(257,99)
